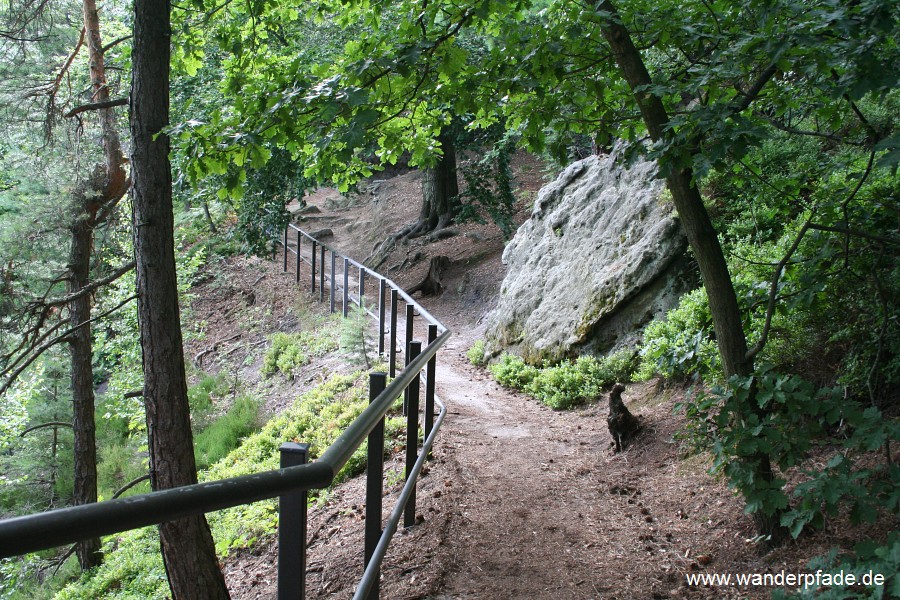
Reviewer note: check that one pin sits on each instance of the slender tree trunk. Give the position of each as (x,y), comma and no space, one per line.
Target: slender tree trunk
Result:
(187,545)
(104,186)
(209,220)
(82,375)
(701,236)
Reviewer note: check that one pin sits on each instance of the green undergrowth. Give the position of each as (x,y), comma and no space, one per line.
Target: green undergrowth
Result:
(133,567)
(567,384)
(225,433)
(290,351)
(476,354)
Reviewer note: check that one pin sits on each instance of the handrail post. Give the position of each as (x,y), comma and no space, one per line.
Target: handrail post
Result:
(430,381)
(413,349)
(362,286)
(292,530)
(313,264)
(284,266)
(346,286)
(410,314)
(299,235)
(374,480)
(322,273)
(331,292)
(382,299)
(392,358)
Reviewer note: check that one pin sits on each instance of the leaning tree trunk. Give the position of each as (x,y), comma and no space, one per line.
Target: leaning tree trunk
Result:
(187,545)
(701,236)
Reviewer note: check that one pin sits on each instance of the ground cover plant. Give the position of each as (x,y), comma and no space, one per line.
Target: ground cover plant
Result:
(133,568)
(567,384)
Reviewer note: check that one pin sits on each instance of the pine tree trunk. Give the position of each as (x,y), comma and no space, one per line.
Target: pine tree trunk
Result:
(187,546)
(104,186)
(82,375)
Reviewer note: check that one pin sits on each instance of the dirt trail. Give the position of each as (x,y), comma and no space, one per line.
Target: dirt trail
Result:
(514,532)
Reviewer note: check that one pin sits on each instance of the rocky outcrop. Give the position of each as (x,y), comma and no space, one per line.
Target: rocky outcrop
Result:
(601,255)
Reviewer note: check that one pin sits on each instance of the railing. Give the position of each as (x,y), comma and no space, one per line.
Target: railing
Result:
(291,482)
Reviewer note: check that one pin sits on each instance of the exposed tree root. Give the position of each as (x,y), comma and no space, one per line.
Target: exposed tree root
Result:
(421,228)
(432,285)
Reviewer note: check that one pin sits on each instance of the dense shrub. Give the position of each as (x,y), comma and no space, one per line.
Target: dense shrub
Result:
(682,344)
(867,558)
(475,354)
(794,417)
(512,371)
(567,384)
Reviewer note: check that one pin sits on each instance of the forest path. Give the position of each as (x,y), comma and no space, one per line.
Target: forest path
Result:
(518,527)
(531,502)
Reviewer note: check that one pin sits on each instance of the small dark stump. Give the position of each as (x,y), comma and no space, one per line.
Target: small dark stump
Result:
(623,426)
(433,284)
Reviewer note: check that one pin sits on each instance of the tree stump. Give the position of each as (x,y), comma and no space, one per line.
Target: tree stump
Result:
(623,426)
(432,284)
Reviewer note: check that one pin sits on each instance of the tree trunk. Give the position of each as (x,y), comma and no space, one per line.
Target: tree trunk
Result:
(104,187)
(697,226)
(439,189)
(116,183)
(700,233)
(433,284)
(83,425)
(187,546)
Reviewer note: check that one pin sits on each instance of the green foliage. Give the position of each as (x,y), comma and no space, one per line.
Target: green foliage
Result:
(783,418)
(117,351)
(225,433)
(317,418)
(133,567)
(489,187)
(289,351)
(261,211)
(561,386)
(37,470)
(118,463)
(868,558)
(682,344)
(511,371)
(35,576)
(567,384)
(202,394)
(353,336)
(475,354)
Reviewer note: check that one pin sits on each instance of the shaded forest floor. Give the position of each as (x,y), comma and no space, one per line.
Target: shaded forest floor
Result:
(519,501)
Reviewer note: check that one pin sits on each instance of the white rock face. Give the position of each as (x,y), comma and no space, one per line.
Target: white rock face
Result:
(600,256)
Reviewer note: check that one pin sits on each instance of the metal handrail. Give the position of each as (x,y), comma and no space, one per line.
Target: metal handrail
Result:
(30,533)
(400,291)
(373,569)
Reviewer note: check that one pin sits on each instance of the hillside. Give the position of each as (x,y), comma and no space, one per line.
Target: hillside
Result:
(519,500)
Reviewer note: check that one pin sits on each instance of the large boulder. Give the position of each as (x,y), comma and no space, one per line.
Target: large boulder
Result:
(601,255)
